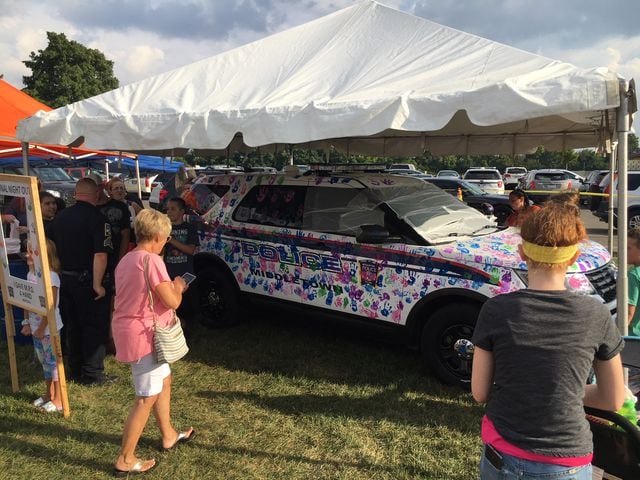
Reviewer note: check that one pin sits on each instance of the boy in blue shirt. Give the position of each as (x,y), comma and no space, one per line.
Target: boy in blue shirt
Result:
(178,256)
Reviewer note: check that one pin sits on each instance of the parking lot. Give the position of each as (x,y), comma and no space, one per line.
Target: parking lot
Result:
(597,230)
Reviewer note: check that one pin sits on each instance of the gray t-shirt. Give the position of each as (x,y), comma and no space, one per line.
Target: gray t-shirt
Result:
(544,344)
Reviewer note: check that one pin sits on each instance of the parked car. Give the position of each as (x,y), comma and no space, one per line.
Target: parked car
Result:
(488,179)
(552,180)
(53,179)
(448,173)
(512,175)
(592,185)
(162,191)
(402,166)
(633,199)
(147,184)
(386,250)
(475,197)
(400,171)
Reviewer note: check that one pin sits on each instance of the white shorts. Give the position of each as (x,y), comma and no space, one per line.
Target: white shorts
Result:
(148,376)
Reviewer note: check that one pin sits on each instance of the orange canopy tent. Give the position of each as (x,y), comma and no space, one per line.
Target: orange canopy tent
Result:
(16,105)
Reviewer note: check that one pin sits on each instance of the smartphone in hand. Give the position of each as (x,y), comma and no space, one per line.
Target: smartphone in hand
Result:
(188,277)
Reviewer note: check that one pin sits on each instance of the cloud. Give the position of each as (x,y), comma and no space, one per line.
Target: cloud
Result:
(569,23)
(175,18)
(147,37)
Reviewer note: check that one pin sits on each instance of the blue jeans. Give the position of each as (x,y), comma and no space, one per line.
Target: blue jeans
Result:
(519,469)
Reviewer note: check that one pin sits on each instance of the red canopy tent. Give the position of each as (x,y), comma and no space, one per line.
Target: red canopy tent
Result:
(16,105)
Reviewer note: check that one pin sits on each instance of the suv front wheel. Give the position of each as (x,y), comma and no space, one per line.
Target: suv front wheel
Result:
(219,298)
(442,330)
(634,219)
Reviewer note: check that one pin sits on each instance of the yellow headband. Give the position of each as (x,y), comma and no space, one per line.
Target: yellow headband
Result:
(542,254)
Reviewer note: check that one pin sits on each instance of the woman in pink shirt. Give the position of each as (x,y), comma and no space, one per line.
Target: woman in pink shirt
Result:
(132,327)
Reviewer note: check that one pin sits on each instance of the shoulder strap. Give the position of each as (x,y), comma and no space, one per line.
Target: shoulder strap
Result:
(145,263)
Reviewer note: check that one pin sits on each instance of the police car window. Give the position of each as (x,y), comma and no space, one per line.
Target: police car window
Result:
(277,205)
(201,196)
(340,210)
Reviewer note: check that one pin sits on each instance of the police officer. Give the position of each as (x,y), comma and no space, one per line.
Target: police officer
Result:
(83,240)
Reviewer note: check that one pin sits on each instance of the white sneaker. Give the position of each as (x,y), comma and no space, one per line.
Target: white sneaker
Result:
(49,407)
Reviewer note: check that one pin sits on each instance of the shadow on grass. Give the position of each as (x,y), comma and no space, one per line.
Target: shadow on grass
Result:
(314,348)
(390,406)
(14,431)
(418,471)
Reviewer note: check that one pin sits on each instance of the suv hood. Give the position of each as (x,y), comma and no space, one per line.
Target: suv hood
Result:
(501,249)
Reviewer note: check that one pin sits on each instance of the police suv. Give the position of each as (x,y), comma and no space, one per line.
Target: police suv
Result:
(388,250)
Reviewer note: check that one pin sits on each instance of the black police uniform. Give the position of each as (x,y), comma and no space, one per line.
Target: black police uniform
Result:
(79,232)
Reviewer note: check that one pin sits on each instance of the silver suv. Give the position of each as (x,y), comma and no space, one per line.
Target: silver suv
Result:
(488,179)
(389,251)
(541,183)
(633,200)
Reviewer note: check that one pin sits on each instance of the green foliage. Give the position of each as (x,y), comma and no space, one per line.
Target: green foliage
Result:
(66,72)
(580,160)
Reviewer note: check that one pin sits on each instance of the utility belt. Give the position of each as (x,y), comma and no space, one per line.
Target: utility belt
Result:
(85,277)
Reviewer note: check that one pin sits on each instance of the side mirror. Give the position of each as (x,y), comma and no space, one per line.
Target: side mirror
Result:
(486,208)
(374,234)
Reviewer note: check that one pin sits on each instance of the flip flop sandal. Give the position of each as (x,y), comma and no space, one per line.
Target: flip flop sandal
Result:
(49,407)
(135,470)
(38,402)
(182,438)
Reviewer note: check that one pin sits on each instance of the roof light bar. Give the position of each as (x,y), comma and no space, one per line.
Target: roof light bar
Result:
(347,167)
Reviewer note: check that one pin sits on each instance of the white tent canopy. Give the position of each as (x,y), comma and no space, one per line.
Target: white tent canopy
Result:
(367,79)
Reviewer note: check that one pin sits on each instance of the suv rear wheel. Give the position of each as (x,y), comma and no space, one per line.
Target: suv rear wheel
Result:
(219,299)
(442,330)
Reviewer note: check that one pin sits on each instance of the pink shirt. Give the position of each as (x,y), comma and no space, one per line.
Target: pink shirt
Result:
(132,322)
(492,437)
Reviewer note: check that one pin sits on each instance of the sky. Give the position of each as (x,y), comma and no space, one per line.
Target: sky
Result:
(147,37)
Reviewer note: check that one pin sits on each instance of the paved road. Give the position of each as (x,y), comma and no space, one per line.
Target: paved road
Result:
(597,230)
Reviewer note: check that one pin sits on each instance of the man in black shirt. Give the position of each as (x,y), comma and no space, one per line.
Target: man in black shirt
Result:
(83,240)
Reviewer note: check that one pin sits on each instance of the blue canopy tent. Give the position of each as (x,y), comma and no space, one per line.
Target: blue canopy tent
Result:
(149,163)
(146,163)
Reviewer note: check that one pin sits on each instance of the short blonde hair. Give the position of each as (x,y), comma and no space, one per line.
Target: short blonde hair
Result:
(150,224)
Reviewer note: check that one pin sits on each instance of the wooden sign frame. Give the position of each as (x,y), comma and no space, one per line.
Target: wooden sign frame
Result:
(32,297)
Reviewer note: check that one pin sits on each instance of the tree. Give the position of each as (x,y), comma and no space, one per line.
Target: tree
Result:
(67,71)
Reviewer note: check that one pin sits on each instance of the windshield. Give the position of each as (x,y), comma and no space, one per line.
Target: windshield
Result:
(433,213)
(516,170)
(52,174)
(482,175)
(553,176)
(471,189)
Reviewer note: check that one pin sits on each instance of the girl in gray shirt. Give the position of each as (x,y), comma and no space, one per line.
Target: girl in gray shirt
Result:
(534,351)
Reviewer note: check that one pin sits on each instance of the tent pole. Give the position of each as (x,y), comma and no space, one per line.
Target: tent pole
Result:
(622,127)
(138,178)
(25,157)
(612,173)
(106,168)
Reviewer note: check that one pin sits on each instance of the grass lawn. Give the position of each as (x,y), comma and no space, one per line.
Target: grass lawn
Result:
(274,398)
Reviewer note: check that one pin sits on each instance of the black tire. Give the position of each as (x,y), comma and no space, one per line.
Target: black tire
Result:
(219,298)
(634,219)
(443,328)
